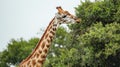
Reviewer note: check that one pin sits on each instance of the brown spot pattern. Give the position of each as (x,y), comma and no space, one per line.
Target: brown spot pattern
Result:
(43,56)
(45,50)
(33,62)
(43,44)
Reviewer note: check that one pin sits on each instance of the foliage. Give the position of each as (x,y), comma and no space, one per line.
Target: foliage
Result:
(16,51)
(101,44)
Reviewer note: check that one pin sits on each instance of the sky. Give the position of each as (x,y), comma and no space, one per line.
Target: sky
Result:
(25,18)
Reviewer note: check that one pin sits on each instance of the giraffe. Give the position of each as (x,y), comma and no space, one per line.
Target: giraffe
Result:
(38,55)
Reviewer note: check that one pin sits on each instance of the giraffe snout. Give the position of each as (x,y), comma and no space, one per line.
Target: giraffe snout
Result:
(77,20)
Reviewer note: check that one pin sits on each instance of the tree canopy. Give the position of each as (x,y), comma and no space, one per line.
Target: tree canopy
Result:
(95,42)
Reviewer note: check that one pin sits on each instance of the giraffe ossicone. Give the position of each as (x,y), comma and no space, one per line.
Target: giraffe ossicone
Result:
(38,55)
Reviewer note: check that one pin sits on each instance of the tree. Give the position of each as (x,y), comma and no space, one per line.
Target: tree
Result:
(16,51)
(101,45)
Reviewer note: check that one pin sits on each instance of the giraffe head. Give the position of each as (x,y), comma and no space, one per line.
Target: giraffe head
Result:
(65,17)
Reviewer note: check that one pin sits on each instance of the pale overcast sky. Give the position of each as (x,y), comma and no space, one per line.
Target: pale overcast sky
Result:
(24,18)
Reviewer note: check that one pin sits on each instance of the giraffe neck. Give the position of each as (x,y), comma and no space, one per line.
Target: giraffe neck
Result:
(39,54)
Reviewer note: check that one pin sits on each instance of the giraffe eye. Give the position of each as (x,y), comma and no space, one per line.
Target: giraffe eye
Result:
(64,16)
